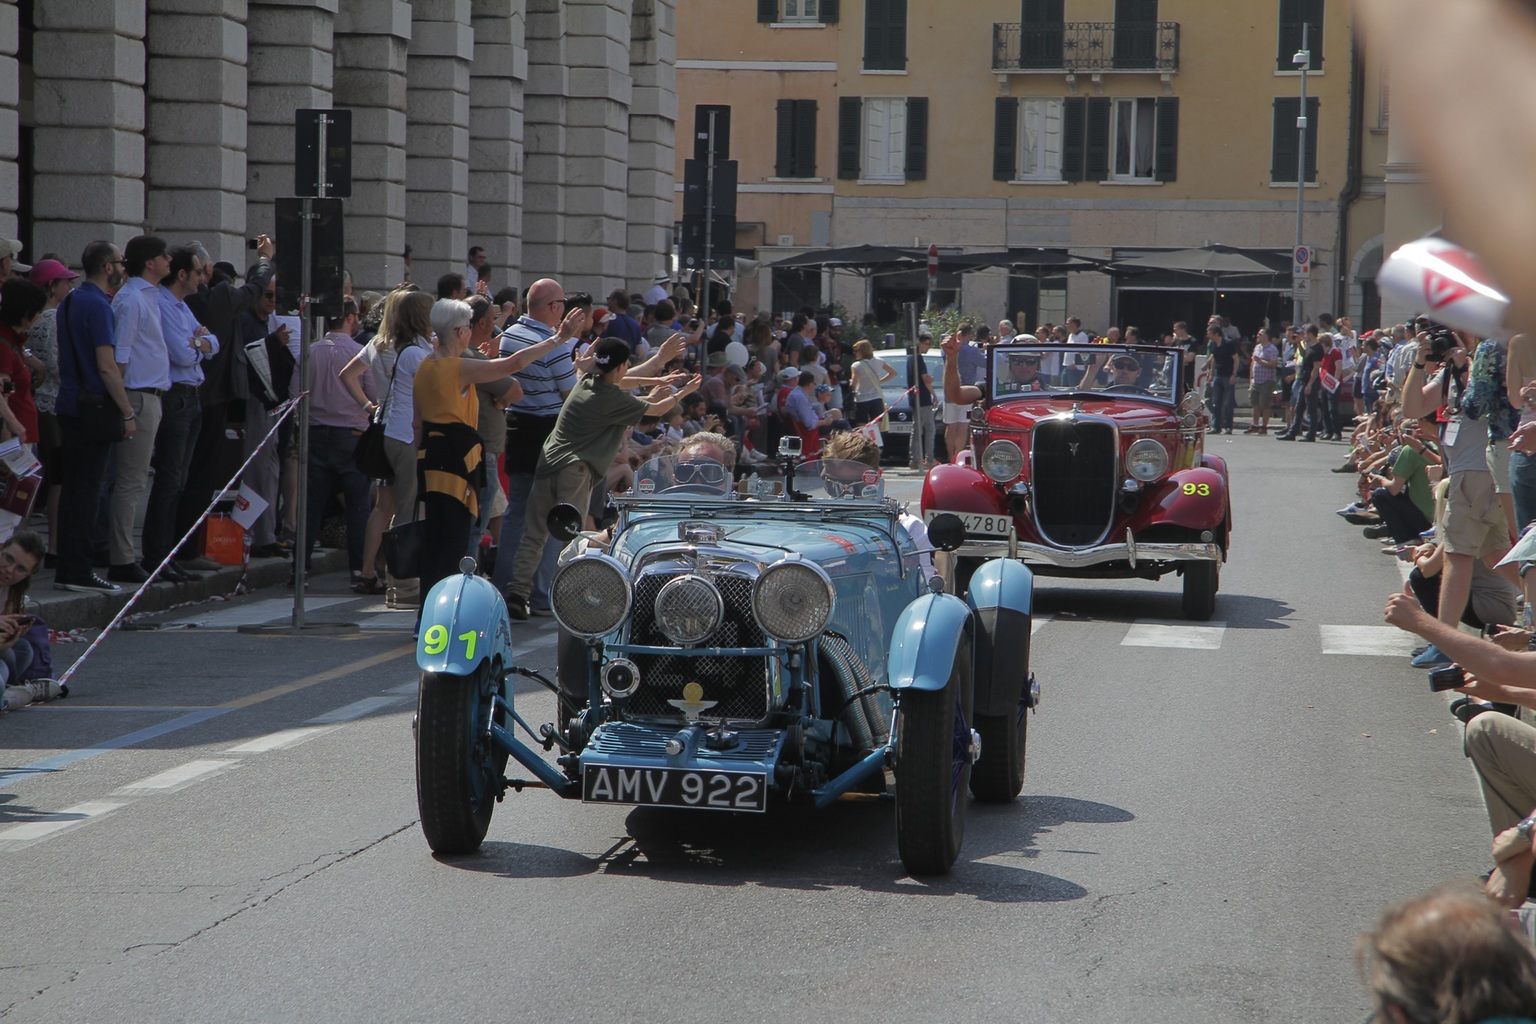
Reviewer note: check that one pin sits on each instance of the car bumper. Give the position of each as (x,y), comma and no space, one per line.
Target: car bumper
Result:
(1130,552)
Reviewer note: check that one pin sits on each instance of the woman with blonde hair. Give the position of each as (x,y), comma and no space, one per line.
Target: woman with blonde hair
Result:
(869,373)
(394,354)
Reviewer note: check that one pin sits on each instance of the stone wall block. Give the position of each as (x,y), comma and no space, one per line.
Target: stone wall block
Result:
(89,151)
(447,74)
(431,107)
(377,162)
(492,188)
(596,52)
(357,90)
(280,101)
(177,78)
(442,39)
(547,79)
(375,18)
(290,66)
(457,11)
(199,37)
(597,21)
(200,124)
(600,83)
(110,57)
(10,30)
(303,25)
(236,10)
(93,199)
(10,148)
(125,19)
(10,81)
(86,104)
(378,124)
(370,53)
(495,123)
(588,172)
(199,166)
(184,211)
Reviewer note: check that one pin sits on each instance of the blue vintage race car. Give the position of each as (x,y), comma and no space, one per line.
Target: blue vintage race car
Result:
(733,648)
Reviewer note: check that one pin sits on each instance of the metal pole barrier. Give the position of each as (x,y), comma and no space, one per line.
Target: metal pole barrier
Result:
(1301,161)
(709,228)
(282,412)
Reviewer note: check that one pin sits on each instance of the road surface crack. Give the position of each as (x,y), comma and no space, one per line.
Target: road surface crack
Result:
(5,1011)
(324,862)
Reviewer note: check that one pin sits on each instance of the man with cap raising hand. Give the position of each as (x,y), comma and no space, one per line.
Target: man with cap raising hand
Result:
(591,426)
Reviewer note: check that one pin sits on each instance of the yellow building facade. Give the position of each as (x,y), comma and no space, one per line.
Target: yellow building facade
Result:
(1109,127)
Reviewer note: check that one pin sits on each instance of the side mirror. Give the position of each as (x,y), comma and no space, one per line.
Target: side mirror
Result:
(946,531)
(564,522)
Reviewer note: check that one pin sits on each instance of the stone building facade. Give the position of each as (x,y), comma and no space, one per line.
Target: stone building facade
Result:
(541,130)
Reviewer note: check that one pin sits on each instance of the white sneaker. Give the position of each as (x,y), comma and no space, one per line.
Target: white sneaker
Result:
(43,689)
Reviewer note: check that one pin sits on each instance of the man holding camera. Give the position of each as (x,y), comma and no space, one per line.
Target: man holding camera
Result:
(1474,524)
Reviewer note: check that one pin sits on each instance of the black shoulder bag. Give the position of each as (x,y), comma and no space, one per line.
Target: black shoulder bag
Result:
(369,454)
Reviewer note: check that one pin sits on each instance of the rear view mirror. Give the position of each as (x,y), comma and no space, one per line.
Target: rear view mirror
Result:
(946,531)
(564,522)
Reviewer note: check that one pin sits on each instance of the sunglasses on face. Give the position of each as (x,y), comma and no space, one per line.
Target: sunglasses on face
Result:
(702,472)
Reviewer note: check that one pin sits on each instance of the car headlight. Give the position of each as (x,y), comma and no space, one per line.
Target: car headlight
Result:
(688,609)
(590,595)
(1002,461)
(1146,460)
(792,600)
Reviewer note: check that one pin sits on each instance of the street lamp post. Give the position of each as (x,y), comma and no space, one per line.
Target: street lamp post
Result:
(1302,59)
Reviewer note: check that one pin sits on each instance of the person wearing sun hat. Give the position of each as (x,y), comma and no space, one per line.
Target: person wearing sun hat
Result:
(10,249)
(657,292)
(587,434)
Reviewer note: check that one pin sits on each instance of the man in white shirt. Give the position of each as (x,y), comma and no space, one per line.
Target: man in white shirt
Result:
(1075,333)
(658,292)
(472,267)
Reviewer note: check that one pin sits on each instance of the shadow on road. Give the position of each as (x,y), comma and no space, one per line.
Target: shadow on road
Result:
(851,845)
(1238,611)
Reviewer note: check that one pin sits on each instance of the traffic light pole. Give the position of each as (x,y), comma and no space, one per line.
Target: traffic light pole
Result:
(709,223)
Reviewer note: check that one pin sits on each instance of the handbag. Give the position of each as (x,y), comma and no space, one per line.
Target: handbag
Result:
(369,455)
(402,549)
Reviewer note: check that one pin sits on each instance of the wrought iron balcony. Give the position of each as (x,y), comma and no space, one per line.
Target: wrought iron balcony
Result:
(1084,47)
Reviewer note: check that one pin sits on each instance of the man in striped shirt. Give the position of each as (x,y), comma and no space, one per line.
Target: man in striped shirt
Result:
(545,383)
(1261,381)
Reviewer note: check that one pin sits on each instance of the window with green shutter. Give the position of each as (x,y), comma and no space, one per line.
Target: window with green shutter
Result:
(850,121)
(1096,139)
(1294,14)
(796,139)
(916,168)
(1073,132)
(885,35)
(1005,138)
(1282,163)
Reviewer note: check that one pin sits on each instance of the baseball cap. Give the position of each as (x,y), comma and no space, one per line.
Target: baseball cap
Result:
(611,352)
(789,376)
(834,322)
(45,272)
(820,388)
(9,247)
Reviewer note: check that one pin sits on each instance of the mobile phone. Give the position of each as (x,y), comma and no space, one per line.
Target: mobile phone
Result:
(1447,678)
(251,243)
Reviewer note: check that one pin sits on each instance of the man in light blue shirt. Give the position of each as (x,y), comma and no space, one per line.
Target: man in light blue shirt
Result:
(188,345)
(142,357)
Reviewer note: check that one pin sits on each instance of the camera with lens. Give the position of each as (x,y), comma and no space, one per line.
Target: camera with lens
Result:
(1441,342)
(7,386)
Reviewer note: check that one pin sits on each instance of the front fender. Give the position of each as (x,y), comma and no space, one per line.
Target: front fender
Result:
(1001,596)
(1192,498)
(463,622)
(962,489)
(925,640)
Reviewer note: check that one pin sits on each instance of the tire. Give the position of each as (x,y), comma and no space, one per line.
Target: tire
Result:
(458,772)
(998,775)
(1201,581)
(933,770)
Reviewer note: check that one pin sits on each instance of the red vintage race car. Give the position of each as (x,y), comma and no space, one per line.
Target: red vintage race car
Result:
(1088,461)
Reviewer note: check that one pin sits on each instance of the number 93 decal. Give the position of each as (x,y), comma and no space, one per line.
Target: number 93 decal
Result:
(1190,490)
(435,641)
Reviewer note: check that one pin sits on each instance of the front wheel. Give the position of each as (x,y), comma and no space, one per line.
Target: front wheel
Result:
(999,773)
(1201,580)
(933,770)
(458,769)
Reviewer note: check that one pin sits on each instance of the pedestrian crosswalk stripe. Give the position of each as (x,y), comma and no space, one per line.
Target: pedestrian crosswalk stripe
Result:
(1036,622)
(279,740)
(357,709)
(254,613)
(175,777)
(1175,634)
(1377,640)
(30,832)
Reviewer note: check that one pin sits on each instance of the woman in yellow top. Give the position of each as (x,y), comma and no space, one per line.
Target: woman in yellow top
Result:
(450,466)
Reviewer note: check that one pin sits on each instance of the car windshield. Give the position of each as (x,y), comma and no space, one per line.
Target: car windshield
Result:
(1110,369)
(689,475)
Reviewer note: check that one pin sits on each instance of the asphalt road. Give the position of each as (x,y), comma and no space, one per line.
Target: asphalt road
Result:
(222,827)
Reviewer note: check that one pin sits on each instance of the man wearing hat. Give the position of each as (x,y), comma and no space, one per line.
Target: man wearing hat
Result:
(805,416)
(591,426)
(658,292)
(10,248)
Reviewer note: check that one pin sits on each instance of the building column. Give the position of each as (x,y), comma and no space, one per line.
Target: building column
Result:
(196,124)
(652,138)
(497,79)
(290,68)
(371,41)
(10,121)
(437,123)
(89,109)
(597,144)
(544,141)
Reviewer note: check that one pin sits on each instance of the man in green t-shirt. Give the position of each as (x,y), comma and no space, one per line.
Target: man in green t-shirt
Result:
(1405,500)
(587,435)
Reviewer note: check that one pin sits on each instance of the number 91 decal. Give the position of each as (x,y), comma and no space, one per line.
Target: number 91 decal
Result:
(435,641)
(1190,490)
